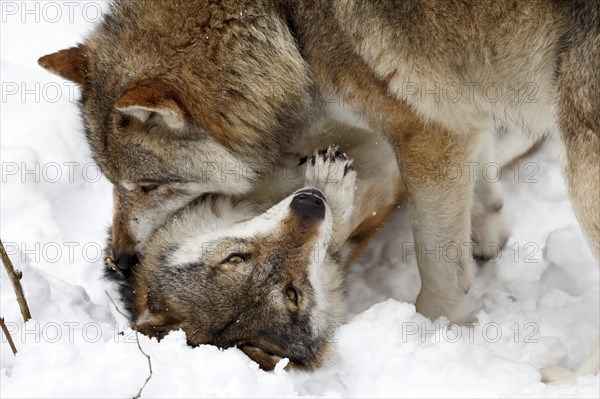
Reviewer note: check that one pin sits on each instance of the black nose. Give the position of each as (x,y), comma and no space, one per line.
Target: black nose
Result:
(309,204)
(125,260)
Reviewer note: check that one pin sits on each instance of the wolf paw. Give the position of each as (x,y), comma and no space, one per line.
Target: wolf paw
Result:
(331,171)
(557,375)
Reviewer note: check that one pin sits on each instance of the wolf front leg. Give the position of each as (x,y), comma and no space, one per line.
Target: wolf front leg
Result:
(331,172)
(435,167)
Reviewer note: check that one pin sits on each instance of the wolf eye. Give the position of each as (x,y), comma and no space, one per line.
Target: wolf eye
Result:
(292,293)
(237,258)
(148,188)
(123,122)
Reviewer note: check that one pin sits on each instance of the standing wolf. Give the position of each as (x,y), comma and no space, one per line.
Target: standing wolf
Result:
(181,98)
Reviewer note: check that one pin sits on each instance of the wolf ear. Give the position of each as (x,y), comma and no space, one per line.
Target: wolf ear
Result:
(70,63)
(144,98)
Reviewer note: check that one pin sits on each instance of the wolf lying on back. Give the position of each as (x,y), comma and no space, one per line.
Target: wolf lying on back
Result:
(177,95)
(271,282)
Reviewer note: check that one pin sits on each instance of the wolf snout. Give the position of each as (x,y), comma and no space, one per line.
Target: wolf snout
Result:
(125,260)
(309,204)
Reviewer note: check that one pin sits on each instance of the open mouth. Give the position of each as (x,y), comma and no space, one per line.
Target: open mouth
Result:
(265,359)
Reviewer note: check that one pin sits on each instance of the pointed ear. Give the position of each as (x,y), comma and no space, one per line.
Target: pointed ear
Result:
(70,63)
(143,98)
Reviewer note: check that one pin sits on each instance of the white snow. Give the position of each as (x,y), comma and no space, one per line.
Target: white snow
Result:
(537,305)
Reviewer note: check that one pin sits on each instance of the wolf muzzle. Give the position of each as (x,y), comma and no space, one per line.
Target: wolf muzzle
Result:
(125,260)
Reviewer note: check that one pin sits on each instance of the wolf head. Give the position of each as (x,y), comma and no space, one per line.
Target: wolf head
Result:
(269,284)
(176,103)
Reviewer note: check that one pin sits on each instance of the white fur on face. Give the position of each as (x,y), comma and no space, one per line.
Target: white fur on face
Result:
(194,229)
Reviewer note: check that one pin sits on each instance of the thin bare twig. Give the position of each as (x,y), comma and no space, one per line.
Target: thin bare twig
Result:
(115,305)
(137,339)
(8,337)
(139,394)
(15,279)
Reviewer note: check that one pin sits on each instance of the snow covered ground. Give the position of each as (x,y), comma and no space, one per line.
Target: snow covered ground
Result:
(537,305)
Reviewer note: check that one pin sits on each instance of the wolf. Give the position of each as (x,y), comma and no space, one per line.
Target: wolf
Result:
(200,96)
(266,278)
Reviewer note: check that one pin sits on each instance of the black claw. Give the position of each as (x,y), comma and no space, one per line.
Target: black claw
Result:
(313,160)
(330,155)
(348,168)
(302,161)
